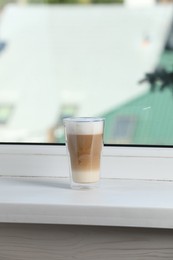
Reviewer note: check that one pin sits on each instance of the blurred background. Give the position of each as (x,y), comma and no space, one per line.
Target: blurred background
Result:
(110,58)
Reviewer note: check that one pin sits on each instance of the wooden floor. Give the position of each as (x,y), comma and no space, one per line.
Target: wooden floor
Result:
(60,242)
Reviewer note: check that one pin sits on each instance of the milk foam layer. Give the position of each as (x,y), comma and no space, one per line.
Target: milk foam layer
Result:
(84,128)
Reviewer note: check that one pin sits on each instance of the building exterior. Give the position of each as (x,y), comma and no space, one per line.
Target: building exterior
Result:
(68,60)
(147,119)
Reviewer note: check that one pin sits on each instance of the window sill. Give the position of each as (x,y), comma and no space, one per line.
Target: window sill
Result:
(128,203)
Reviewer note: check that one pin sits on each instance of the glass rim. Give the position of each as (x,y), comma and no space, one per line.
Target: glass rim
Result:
(83,119)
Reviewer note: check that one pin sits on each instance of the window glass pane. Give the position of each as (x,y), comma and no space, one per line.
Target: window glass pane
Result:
(110,58)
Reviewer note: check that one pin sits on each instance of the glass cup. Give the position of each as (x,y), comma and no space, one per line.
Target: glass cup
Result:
(84,141)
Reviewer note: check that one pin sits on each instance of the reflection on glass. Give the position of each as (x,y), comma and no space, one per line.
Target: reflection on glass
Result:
(63,58)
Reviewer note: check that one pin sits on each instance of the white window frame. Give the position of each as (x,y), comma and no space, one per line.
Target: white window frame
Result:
(121,162)
(146,163)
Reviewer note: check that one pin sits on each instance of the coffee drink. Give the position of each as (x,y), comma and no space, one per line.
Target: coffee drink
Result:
(85,152)
(84,138)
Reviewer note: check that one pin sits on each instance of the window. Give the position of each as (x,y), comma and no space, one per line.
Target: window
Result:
(123,130)
(87,58)
(112,60)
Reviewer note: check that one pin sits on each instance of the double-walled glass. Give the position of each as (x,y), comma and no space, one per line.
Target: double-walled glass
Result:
(84,140)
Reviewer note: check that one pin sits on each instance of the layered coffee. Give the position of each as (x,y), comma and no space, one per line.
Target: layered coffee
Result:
(84,142)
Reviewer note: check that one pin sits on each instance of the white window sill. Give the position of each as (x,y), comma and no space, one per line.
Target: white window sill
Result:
(133,203)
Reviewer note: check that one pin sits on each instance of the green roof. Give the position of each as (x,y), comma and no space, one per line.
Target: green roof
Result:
(148,119)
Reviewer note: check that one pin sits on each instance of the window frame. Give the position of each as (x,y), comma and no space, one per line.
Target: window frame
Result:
(131,162)
(118,161)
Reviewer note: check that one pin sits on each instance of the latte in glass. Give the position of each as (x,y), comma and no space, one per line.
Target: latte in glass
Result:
(84,140)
